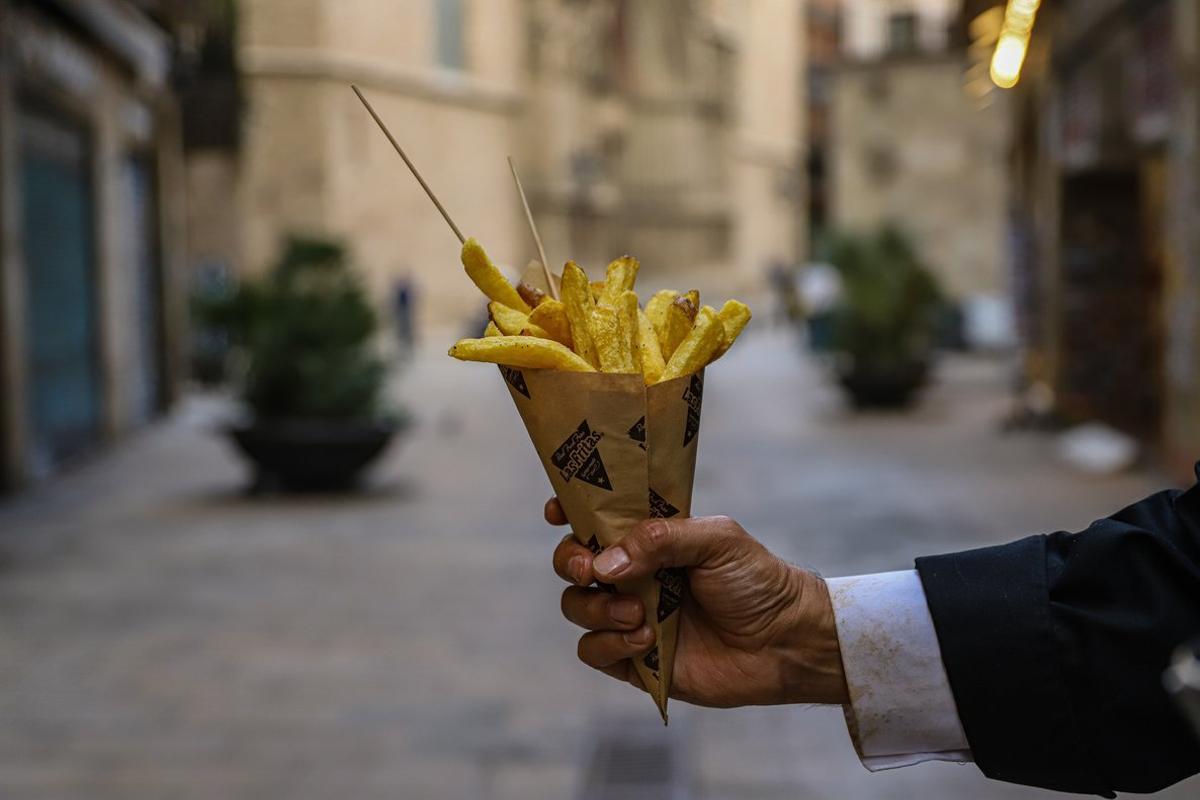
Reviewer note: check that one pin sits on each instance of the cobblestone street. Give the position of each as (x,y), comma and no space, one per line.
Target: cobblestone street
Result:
(164,636)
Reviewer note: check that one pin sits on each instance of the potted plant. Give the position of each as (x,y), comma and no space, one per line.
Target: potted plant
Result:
(303,354)
(884,329)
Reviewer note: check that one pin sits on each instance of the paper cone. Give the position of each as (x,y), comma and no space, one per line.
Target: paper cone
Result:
(617,452)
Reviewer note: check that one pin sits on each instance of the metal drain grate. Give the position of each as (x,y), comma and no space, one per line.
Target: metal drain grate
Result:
(636,758)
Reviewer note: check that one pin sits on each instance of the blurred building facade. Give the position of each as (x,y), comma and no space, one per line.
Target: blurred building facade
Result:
(91,228)
(1105,252)
(670,129)
(912,147)
(824,53)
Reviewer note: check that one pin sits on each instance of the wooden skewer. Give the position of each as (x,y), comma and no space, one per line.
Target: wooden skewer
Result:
(537,240)
(416,174)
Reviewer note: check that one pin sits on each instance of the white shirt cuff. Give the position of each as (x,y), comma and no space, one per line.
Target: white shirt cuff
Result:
(901,709)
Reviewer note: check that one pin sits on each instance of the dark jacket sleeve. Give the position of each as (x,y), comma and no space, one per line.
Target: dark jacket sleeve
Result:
(1055,647)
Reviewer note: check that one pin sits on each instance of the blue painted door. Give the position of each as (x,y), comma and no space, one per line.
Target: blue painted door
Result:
(57,239)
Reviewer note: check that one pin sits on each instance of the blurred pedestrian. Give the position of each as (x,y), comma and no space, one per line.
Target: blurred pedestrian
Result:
(403,312)
(782,278)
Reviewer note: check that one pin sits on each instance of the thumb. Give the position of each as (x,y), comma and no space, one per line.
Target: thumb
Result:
(657,543)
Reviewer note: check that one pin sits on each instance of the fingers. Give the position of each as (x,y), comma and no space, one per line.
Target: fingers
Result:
(597,610)
(573,561)
(657,543)
(553,512)
(604,649)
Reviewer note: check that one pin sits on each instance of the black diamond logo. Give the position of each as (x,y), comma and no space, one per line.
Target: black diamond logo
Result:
(515,379)
(659,507)
(638,432)
(692,396)
(579,457)
(672,582)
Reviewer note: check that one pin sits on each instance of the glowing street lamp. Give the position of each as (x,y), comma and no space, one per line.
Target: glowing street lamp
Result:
(1013,43)
(1008,60)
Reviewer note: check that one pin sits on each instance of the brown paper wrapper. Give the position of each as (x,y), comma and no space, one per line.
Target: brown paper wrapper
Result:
(617,452)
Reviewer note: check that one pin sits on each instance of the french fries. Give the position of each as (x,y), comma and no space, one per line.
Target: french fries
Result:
(628,329)
(680,317)
(510,321)
(620,278)
(520,351)
(611,347)
(551,316)
(532,295)
(490,280)
(578,303)
(656,311)
(701,344)
(734,316)
(652,357)
(597,325)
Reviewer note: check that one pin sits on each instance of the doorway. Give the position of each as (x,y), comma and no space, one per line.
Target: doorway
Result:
(1111,317)
(63,400)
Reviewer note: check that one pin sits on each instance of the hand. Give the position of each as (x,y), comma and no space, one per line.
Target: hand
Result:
(755,630)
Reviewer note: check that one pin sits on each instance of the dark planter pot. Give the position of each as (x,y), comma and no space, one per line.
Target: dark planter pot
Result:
(311,455)
(894,386)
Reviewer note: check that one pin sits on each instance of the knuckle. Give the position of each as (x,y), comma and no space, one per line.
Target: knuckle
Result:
(728,523)
(730,527)
(656,534)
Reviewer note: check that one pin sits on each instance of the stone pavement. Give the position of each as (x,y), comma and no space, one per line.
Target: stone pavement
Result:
(163,636)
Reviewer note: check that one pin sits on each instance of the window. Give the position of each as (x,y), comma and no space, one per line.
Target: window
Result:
(451,44)
(902,33)
(882,167)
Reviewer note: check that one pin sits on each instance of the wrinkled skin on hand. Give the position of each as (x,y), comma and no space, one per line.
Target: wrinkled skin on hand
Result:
(754,630)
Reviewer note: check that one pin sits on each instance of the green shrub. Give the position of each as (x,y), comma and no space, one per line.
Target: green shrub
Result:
(302,335)
(890,307)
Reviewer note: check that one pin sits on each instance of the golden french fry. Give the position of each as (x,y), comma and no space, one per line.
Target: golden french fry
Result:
(532,295)
(491,330)
(520,351)
(619,278)
(488,278)
(597,290)
(734,316)
(630,331)
(577,301)
(510,321)
(656,310)
(551,315)
(612,350)
(698,348)
(652,357)
(681,315)
(693,296)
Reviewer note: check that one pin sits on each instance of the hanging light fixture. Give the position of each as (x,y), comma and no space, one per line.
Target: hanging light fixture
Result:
(1013,44)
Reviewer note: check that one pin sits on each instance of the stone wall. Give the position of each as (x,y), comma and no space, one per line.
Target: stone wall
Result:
(909,146)
(668,130)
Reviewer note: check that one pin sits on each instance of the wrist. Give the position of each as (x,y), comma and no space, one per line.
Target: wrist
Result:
(812,669)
